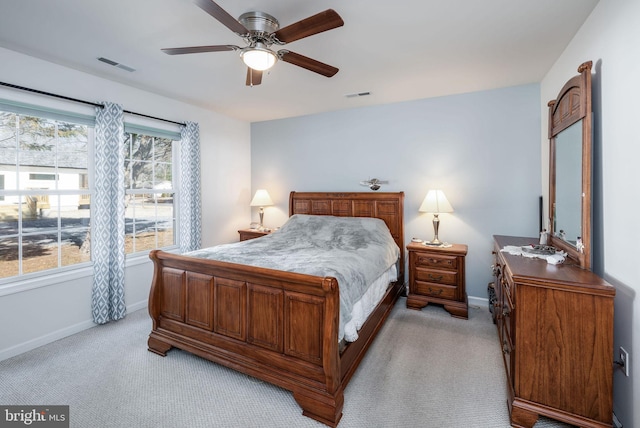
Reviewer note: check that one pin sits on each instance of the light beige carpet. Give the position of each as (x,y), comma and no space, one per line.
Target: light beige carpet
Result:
(425,369)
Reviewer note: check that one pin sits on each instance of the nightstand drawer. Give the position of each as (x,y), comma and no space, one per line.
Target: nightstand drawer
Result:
(246,234)
(435,290)
(436,276)
(437,261)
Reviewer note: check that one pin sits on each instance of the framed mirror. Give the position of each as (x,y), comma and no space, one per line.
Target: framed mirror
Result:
(570,168)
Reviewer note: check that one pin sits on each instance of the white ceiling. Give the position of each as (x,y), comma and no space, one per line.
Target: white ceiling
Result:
(397,50)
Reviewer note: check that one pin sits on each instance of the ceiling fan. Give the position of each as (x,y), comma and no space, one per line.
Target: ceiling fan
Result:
(260,31)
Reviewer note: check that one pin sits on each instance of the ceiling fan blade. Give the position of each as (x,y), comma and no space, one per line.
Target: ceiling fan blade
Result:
(222,15)
(308,63)
(323,21)
(199,49)
(254,77)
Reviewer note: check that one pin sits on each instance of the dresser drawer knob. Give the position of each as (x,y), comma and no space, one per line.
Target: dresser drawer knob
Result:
(436,278)
(435,292)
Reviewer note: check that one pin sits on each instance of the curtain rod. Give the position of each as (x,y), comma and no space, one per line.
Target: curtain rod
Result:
(22,88)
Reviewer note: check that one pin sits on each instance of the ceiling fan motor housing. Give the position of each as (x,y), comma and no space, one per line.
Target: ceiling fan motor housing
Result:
(259,22)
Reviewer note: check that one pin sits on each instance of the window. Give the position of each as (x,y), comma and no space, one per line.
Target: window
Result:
(46,187)
(43,224)
(149,193)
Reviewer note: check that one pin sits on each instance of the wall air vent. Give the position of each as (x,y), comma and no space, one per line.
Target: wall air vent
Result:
(358,94)
(116,64)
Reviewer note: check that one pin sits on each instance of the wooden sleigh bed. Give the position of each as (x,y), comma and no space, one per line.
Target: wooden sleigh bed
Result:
(280,327)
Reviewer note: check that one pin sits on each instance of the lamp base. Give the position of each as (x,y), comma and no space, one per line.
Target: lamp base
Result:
(435,242)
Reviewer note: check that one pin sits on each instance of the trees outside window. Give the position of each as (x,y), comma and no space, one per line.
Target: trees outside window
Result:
(149,192)
(43,224)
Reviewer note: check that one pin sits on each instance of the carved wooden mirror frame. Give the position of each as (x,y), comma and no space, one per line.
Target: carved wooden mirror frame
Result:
(572,106)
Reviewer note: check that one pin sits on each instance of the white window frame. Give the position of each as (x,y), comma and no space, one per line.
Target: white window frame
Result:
(49,277)
(43,277)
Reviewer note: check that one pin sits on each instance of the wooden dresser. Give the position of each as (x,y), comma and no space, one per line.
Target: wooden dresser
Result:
(437,275)
(555,324)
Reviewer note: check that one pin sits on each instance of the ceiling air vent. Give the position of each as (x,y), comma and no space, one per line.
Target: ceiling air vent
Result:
(358,94)
(116,64)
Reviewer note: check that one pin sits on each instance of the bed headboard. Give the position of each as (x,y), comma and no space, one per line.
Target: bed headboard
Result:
(388,206)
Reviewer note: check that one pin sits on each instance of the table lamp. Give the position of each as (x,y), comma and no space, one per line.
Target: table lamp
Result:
(261,199)
(435,202)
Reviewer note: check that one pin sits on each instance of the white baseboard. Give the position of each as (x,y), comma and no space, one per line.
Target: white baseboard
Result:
(58,334)
(481,302)
(137,306)
(45,339)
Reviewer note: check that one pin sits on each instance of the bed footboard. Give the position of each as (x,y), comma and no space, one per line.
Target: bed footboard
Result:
(280,327)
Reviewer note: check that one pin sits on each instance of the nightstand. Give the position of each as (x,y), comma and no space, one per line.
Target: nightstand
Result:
(436,275)
(246,234)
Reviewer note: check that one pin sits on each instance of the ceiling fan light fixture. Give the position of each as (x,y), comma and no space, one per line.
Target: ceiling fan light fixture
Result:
(259,57)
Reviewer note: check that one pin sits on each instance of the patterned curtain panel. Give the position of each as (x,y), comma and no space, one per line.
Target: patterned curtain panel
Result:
(190,226)
(107,216)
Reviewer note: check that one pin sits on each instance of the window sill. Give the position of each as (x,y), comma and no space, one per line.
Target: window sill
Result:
(143,256)
(44,279)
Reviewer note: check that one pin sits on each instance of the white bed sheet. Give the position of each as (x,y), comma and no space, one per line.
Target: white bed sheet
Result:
(363,307)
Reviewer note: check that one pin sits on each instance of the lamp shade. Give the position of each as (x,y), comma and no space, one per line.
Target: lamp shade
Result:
(435,202)
(261,199)
(259,57)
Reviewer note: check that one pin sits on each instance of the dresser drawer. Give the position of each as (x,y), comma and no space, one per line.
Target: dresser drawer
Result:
(508,355)
(435,290)
(507,317)
(436,276)
(437,261)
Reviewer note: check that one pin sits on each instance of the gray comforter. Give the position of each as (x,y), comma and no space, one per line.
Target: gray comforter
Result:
(354,250)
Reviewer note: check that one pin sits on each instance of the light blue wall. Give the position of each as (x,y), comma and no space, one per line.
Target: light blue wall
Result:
(482,149)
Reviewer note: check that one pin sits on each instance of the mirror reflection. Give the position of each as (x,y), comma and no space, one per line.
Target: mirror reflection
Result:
(568,205)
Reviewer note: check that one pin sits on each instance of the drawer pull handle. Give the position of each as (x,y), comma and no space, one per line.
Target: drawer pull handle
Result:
(496,269)
(435,292)
(436,278)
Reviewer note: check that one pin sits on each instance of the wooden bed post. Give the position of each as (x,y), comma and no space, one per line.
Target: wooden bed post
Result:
(326,407)
(155,345)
